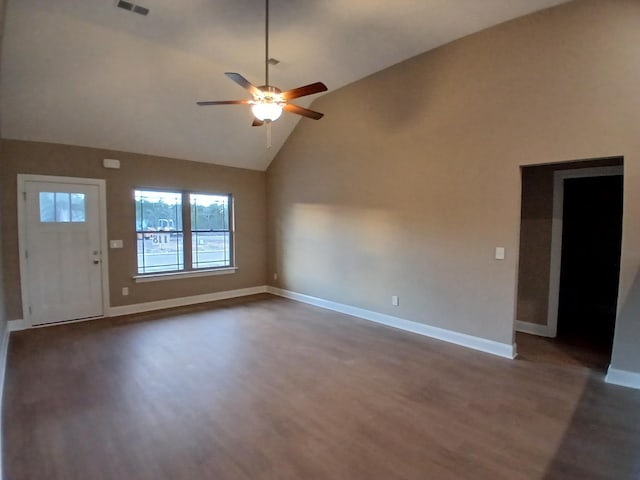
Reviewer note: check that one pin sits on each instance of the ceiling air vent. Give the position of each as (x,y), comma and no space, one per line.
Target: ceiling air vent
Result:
(132,8)
(140,10)
(125,5)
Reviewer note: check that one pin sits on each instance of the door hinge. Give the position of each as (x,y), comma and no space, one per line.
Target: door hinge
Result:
(26,254)
(24,195)
(29,309)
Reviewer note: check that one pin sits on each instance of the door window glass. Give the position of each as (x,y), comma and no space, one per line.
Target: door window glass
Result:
(62,207)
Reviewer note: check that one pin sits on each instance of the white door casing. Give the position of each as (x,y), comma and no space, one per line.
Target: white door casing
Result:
(63,248)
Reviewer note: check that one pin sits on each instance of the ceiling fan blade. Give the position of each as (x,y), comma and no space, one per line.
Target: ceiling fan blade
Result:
(304,91)
(305,112)
(244,83)
(257,123)
(225,102)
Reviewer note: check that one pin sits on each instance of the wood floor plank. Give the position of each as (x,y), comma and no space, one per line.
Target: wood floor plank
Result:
(269,389)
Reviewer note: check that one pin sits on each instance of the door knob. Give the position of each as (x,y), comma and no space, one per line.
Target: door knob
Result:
(96,262)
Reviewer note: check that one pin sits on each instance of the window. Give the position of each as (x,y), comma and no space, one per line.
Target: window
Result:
(172,238)
(210,233)
(62,207)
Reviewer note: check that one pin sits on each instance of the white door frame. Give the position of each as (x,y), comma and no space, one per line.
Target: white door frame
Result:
(559,176)
(22,237)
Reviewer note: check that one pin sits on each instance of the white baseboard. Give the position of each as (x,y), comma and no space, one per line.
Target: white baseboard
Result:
(469,341)
(622,377)
(20,324)
(534,329)
(183,301)
(17,325)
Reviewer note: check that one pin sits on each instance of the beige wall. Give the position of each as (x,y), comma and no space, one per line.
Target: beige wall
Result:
(3,315)
(247,186)
(413,177)
(535,237)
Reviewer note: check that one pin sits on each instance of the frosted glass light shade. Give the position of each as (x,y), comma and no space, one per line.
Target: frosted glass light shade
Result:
(267,111)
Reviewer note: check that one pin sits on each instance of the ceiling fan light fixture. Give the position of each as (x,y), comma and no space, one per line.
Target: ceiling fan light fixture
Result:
(267,111)
(269,101)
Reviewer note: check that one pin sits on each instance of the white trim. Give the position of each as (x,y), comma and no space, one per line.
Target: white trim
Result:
(469,341)
(4,350)
(183,301)
(17,325)
(559,177)
(622,377)
(21,324)
(22,237)
(533,329)
(158,277)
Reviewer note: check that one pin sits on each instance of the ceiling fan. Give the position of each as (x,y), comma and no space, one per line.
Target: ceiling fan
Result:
(269,101)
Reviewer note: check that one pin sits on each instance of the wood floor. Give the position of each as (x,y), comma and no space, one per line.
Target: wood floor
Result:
(563,351)
(269,389)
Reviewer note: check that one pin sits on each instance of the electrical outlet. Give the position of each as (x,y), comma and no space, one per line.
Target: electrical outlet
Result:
(275,276)
(125,291)
(395,300)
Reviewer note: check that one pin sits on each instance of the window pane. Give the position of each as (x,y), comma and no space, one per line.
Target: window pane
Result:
(159,227)
(160,252)
(209,212)
(47,207)
(158,211)
(63,207)
(77,207)
(211,249)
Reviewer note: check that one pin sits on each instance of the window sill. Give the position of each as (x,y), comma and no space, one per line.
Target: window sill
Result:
(157,277)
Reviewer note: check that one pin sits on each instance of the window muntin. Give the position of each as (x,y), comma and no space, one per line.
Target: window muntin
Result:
(163,245)
(62,207)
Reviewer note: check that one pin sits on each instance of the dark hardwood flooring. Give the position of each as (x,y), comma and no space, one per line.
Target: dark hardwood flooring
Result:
(265,388)
(567,351)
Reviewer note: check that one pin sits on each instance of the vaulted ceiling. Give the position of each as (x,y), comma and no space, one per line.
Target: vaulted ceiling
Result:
(84,72)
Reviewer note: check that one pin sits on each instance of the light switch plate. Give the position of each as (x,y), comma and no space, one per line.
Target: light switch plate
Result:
(115,243)
(499,253)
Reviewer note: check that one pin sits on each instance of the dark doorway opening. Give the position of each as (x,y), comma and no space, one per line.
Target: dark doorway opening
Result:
(568,271)
(590,266)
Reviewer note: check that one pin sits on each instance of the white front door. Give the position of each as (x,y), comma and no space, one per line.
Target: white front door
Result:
(63,252)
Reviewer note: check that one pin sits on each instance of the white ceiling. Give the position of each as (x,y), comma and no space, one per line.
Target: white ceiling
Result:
(84,72)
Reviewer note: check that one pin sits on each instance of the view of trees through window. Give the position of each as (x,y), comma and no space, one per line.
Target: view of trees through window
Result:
(161,238)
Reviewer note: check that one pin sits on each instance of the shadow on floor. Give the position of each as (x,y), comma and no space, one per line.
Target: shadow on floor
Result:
(602,440)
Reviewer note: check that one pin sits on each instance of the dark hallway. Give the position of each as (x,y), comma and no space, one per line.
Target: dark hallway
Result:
(591,241)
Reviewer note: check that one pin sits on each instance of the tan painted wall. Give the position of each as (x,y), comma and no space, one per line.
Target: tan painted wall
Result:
(247,186)
(535,237)
(413,177)
(3,315)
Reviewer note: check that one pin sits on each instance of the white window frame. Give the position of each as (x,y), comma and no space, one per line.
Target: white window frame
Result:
(187,231)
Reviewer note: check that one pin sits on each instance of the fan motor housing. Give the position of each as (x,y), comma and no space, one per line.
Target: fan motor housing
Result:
(269,89)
